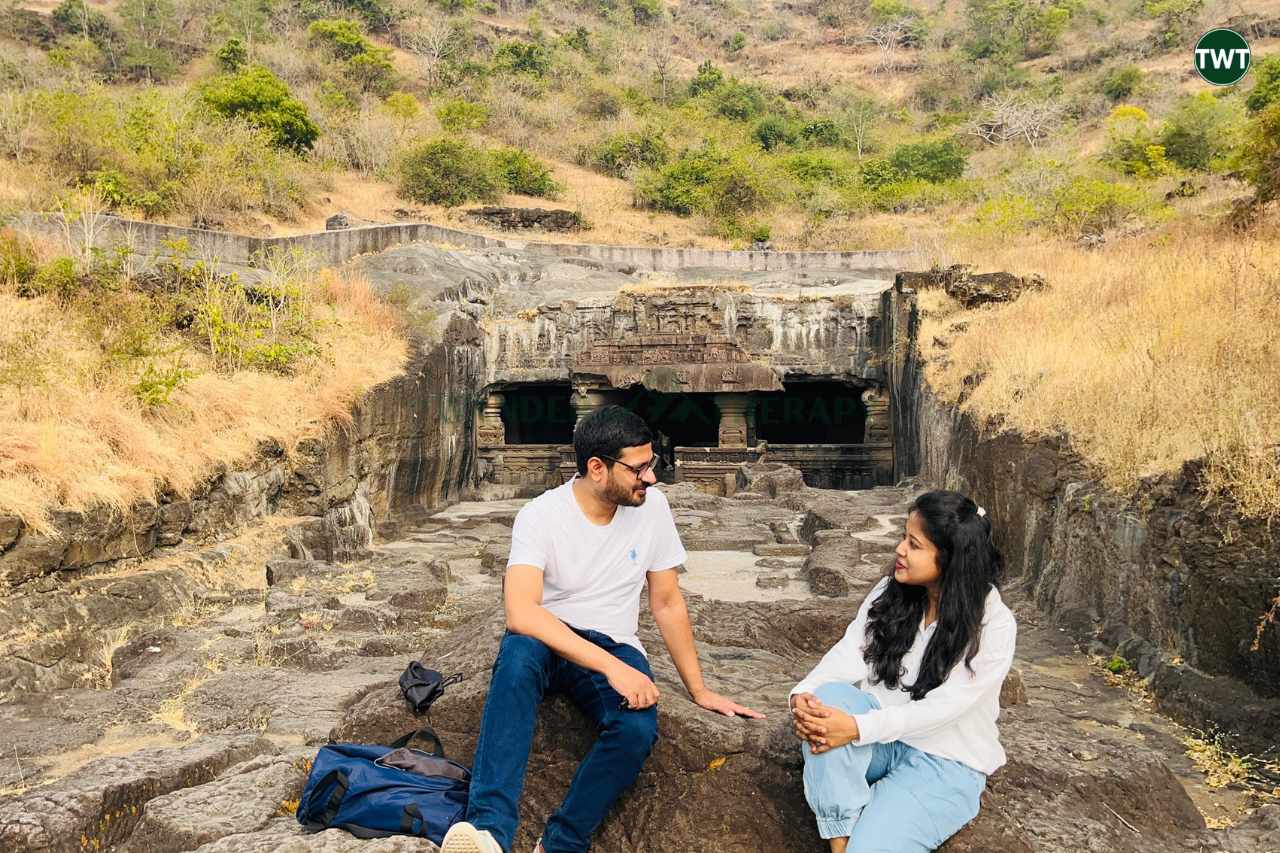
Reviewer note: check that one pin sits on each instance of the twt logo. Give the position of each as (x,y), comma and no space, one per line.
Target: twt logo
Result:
(1222,57)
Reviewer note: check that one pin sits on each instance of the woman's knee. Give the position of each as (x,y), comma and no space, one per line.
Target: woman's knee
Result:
(846,697)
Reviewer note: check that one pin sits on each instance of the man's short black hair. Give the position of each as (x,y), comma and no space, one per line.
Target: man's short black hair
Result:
(605,432)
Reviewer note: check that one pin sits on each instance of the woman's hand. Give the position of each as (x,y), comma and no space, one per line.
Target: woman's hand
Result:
(823,727)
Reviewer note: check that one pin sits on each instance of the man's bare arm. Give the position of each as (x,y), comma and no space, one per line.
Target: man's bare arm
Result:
(522,594)
(666,602)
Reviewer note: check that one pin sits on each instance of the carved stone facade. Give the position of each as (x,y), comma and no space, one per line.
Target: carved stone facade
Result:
(723,341)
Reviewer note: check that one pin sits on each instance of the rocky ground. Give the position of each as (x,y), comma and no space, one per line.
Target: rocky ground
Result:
(197,732)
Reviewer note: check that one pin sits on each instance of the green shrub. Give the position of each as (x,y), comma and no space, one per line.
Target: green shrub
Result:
(738,101)
(932,162)
(774,131)
(907,194)
(707,78)
(270,327)
(58,278)
(1261,153)
(737,42)
(523,173)
(448,172)
(1117,665)
(364,64)
(156,385)
(1202,131)
(1266,86)
(232,55)
(18,261)
(1090,206)
(823,132)
(343,39)
(523,57)
(1132,146)
(810,168)
(1006,215)
(1121,82)
(457,114)
(705,180)
(1012,30)
(619,154)
(263,100)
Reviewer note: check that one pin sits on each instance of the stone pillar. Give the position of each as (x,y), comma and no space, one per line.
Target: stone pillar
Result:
(490,431)
(876,429)
(752,438)
(585,402)
(733,419)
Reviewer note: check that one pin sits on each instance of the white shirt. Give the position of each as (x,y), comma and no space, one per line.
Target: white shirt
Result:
(956,719)
(592,574)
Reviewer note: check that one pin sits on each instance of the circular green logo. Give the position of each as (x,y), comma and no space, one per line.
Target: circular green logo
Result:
(1222,57)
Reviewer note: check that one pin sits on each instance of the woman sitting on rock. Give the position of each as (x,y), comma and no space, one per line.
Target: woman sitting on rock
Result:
(899,718)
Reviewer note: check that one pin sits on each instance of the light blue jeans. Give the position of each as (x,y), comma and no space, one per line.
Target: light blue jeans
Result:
(886,797)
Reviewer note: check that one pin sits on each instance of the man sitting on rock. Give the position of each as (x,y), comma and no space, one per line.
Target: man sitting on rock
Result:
(579,556)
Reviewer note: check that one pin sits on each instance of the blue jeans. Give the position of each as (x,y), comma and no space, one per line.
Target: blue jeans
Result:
(525,671)
(886,797)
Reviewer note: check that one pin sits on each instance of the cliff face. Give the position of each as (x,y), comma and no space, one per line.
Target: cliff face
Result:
(1176,585)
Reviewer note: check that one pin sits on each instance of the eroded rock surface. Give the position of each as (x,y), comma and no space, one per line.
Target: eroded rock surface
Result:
(213,716)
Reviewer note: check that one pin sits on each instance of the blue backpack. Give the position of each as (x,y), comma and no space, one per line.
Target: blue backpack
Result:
(376,791)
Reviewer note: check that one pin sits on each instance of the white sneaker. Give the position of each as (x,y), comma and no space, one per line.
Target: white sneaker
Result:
(462,837)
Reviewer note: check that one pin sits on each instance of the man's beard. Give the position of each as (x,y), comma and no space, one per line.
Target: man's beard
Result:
(621,495)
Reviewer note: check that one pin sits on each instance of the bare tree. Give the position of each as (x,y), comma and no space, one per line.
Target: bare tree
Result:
(661,55)
(888,37)
(1008,117)
(858,116)
(81,218)
(432,41)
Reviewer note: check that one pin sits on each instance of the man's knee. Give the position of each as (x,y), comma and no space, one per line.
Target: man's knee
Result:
(846,697)
(635,732)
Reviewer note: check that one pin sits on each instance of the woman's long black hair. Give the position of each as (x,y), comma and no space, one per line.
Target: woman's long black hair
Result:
(969,565)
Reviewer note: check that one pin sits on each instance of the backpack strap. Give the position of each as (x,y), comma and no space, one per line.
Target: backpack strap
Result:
(336,798)
(427,734)
(411,822)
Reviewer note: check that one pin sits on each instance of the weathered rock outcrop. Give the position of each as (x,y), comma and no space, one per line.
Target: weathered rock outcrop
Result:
(716,784)
(970,289)
(520,218)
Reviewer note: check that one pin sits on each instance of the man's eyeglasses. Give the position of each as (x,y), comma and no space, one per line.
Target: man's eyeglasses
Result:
(654,464)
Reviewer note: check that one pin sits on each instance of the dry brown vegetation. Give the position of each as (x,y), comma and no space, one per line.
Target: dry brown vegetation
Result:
(73,432)
(1146,353)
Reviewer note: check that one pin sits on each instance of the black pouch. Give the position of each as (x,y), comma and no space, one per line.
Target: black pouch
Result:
(422,686)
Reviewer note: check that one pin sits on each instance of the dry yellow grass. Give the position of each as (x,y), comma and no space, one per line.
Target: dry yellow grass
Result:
(1146,353)
(78,437)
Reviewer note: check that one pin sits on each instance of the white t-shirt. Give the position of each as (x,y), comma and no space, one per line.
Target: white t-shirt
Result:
(956,719)
(592,574)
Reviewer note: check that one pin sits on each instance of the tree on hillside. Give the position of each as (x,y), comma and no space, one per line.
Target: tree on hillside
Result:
(148,26)
(245,19)
(264,101)
(433,42)
(661,55)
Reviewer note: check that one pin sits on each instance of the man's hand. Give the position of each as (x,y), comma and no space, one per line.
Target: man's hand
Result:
(715,702)
(634,686)
(825,728)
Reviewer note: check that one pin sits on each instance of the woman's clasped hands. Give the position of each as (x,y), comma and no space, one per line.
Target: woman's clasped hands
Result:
(821,726)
